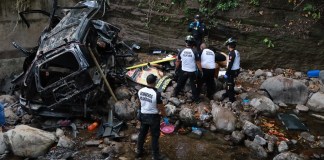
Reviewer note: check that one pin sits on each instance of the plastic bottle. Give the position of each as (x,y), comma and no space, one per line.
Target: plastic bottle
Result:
(2,115)
(92,126)
(246,103)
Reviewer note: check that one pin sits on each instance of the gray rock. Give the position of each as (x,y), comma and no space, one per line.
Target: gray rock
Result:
(279,71)
(175,101)
(271,138)
(26,119)
(287,156)
(187,115)
(316,102)
(307,136)
(251,130)
(264,105)
(218,85)
(65,142)
(134,137)
(26,141)
(245,116)
(59,132)
(298,74)
(212,128)
(237,137)
(223,118)
(123,93)
(7,99)
(218,95)
(281,104)
(259,73)
(258,150)
(321,143)
(125,110)
(271,146)
(302,108)
(93,142)
(3,146)
(259,140)
(117,147)
(107,150)
(286,90)
(106,141)
(11,117)
(282,147)
(170,109)
(268,74)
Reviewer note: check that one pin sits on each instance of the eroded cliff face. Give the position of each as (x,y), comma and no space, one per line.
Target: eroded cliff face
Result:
(297,40)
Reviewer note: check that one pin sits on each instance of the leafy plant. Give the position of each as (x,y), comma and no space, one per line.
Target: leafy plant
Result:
(311,11)
(255,2)
(268,42)
(180,2)
(225,6)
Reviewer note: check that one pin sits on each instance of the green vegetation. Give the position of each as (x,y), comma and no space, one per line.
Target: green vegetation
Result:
(225,6)
(311,11)
(255,2)
(268,42)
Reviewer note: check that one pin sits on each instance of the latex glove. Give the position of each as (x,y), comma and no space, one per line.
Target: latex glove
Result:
(166,120)
(225,76)
(191,25)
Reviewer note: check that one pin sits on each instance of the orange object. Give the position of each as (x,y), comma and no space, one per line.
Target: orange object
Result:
(93,126)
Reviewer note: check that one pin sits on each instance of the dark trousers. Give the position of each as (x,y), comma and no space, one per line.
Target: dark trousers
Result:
(198,42)
(208,78)
(152,122)
(182,79)
(230,84)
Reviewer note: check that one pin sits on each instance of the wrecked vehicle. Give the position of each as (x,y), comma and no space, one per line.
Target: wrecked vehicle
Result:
(65,74)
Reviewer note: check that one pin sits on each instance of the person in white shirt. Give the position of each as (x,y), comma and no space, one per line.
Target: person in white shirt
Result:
(151,105)
(233,68)
(188,59)
(208,60)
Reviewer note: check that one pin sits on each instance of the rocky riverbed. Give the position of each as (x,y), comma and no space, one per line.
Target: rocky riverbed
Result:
(223,130)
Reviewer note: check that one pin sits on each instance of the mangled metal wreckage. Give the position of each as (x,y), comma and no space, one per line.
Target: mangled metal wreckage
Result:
(62,74)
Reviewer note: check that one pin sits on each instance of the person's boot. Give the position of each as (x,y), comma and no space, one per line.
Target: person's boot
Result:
(139,153)
(158,157)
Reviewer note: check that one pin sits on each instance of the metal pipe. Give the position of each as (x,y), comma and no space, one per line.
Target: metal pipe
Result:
(102,74)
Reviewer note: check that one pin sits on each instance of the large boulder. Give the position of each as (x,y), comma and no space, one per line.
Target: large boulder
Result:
(316,102)
(286,90)
(125,110)
(223,118)
(3,146)
(30,142)
(264,105)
